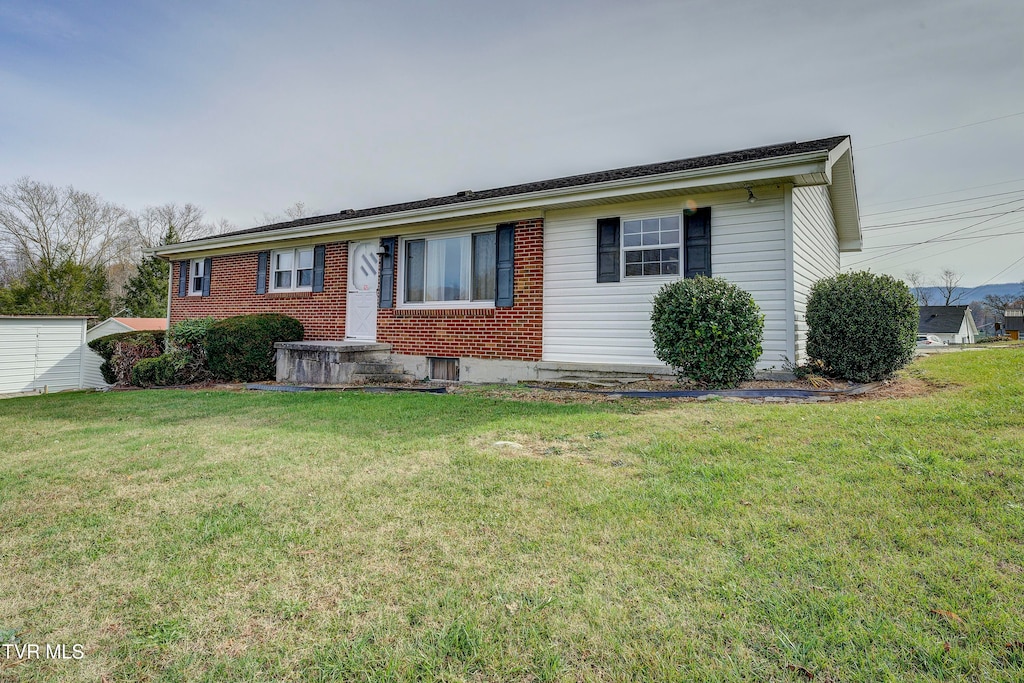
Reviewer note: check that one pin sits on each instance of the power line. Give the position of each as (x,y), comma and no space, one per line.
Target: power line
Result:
(949,239)
(943,216)
(943,194)
(954,201)
(951,232)
(939,132)
(995,276)
(926,222)
(900,264)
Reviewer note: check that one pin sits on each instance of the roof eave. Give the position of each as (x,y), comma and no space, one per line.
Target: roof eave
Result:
(814,165)
(843,194)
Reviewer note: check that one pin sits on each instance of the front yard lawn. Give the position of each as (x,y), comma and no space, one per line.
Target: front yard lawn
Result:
(207,535)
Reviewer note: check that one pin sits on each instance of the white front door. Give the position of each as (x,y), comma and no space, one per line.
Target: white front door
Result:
(361,304)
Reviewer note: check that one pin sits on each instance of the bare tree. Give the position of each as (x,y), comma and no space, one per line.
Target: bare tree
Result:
(949,286)
(922,293)
(997,303)
(292,213)
(42,222)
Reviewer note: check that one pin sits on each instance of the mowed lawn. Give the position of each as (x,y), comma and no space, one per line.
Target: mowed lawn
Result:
(208,535)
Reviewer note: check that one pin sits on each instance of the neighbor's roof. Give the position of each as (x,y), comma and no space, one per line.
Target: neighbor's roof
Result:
(1014,319)
(941,319)
(835,151)
(144,323)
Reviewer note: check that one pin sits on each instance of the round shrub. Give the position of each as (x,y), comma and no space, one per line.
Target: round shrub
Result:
(707,330)
(860,326)
(242,348)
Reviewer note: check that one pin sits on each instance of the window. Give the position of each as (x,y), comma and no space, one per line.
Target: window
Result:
(291,270)
(196,276)
(450,269)
(650,246)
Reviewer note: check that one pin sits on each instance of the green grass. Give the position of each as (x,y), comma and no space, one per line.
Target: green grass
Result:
(199,535)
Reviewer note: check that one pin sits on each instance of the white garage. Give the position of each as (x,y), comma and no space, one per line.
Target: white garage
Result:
(46,353)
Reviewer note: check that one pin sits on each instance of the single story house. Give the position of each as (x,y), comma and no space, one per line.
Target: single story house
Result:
(951,324)
(46,353)
(1014,324)
(118,325)
(544,278)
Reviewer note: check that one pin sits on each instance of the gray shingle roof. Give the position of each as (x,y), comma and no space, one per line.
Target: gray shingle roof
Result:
(708,161)
(940,319)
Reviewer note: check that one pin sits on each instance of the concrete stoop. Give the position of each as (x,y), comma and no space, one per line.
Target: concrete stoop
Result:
(338,363)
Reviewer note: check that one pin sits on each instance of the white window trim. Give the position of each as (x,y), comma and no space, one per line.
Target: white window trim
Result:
(192,276)
(437,305)
(294,271)
(623,248)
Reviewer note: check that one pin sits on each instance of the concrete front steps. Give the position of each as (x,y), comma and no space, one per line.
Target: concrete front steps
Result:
(338,363)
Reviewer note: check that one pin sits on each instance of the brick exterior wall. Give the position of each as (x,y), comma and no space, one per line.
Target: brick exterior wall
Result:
(233,292)
(499,333)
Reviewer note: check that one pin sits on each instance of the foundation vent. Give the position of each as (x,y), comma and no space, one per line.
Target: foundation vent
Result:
(443,369)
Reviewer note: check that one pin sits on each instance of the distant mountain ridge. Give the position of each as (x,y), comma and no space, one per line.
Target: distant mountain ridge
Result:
(974,293)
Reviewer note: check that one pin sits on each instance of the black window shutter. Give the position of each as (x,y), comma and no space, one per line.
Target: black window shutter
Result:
(386,291)
(608,250)
(207,268)
(504,271)
(261,272)
(184,267)
(319,253)
(697,242)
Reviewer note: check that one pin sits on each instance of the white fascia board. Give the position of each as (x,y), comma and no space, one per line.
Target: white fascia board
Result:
(751,172)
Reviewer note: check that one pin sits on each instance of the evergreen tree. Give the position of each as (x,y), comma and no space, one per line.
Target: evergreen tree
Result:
(61,287)
(146,292)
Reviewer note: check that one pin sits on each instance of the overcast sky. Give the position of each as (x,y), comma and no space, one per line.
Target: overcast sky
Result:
(245,108)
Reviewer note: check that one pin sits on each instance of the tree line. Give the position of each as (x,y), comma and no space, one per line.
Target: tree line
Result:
(64,251)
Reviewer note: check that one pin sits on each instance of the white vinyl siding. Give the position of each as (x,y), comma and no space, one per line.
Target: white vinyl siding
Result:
(815,252)
(590,322)
(44,353)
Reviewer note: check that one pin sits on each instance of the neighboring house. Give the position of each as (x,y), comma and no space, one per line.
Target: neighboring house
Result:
(951,324)
(118,325)
(46,353)
(1014,324)
(548,277)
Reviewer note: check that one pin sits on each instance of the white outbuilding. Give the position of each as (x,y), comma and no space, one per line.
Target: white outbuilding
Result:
(46,353)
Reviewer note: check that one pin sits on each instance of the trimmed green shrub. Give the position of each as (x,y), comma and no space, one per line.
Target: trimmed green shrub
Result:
(708,330)
(189,337)
(161,371)
(105,346)
(107,370)
(128,352)
(861,326)
(121,351)
(242,348)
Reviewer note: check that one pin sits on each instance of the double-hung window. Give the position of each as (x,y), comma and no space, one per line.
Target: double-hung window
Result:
(196,276)
(291,270)
(650,246)
(450,269)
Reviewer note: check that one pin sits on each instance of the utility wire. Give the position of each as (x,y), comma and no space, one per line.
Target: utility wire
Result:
(944,216)
(948,239)
(900,264)
(995,276)
(926,222)
(954,201)
(943,194)
(951,232)
(939,132)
